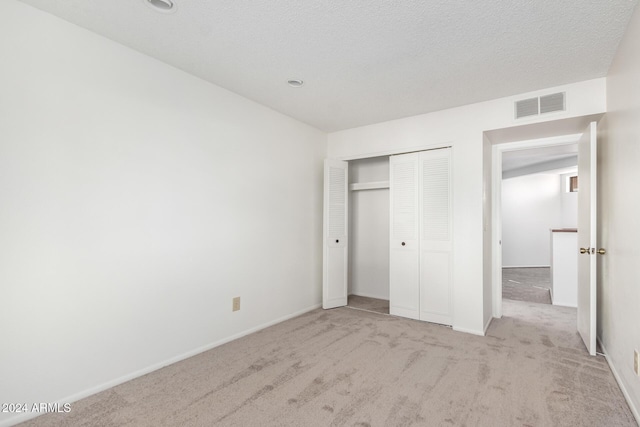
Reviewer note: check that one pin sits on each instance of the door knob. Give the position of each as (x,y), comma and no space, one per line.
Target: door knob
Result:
(601,251)
(584,250)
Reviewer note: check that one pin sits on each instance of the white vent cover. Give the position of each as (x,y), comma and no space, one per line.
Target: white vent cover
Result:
(527,107)
(551,103)
(541,105)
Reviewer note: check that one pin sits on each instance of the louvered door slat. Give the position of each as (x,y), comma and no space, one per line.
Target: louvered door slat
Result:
(436,237)
(335,246)
(404,251)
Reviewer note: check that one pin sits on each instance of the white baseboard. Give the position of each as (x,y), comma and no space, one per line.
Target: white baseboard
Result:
(469,331)
(123,379)
(625,393)
(486,326)
(526,266)
(561,304)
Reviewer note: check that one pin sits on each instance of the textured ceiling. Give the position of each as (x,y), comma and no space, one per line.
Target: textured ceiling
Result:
(369,61)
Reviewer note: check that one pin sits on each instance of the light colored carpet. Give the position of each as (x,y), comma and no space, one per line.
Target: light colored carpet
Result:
(370,304)
(527,284)
(356,368)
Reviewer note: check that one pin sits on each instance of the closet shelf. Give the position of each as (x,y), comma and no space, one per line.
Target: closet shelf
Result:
(368,185)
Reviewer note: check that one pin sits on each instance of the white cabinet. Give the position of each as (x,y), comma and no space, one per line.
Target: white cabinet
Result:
(421,236)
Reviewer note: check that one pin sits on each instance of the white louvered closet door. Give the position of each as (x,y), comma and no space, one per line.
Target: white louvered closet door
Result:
(404,255)
(335,247)
(435,236)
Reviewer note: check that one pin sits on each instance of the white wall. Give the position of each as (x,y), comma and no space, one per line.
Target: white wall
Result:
(136,201)
(619,210)
(462,128)
(369,229)
(531,206)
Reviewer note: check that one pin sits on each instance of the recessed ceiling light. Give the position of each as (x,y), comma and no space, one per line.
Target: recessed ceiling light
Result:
(295,82)
(161,5)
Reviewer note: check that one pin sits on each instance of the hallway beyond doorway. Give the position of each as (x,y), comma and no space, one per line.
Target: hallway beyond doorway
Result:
(531,284)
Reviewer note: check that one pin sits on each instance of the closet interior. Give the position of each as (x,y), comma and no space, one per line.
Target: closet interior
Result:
(368,272)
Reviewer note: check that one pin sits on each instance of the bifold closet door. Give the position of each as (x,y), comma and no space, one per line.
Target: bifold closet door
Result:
(404,255)
(420,265)
(335,233)
(435,236)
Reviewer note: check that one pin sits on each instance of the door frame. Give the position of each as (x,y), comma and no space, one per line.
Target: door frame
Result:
(497,151)
(396,151)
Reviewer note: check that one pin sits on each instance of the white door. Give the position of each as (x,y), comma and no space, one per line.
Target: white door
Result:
(587,160)
(435,236)
(404,255)
(335,233)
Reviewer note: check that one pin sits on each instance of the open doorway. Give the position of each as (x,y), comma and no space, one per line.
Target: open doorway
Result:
(496,143)
(537,204)
(504,140)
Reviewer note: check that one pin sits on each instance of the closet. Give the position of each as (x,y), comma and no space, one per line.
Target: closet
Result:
(387,233)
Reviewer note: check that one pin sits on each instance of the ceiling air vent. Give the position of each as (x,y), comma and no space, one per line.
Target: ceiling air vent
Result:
(527,107)
(544,104)
(551,103)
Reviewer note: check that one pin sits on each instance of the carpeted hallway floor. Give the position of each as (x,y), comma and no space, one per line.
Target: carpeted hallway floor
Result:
(357,368)
(527,284)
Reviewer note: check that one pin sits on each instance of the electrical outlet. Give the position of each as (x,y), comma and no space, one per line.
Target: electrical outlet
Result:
(636,362)
(236,304)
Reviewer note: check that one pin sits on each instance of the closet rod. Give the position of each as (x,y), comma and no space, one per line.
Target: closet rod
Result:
(369,185)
